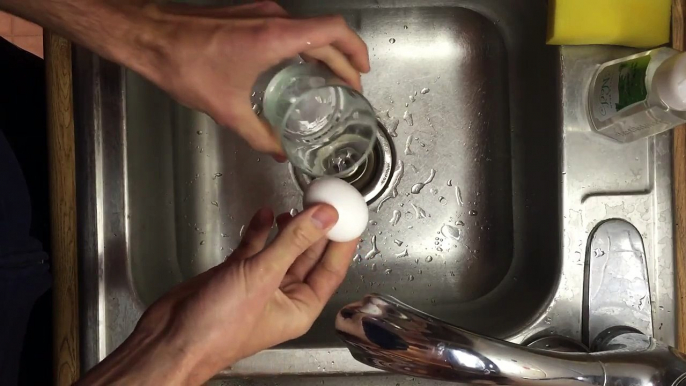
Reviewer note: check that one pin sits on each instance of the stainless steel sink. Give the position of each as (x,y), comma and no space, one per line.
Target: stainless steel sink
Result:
(474,106)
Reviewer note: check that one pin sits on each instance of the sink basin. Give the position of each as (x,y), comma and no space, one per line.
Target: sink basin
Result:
(492,186)
(473,130)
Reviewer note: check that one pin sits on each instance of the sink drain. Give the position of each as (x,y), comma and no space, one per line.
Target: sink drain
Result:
(371,177)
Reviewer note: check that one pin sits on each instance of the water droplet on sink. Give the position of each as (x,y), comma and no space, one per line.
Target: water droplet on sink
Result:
(396,217)
(429,259)
(375,251)
(416,188)
(391,40)
(450,182)
(433,191)
(408,143)
(202,242)
(451,232)
(442,200)
(224,235)
(425,90)
(215,203)
(374,267)
(458,196)
(388,271)
(293,212)
(407,116)
(217,175)
(257,109)
(419,212)
(199,132)
(405,27)
(412,98)
(473,212)
(402,254)
(398,242)
(598,252)
(392,127)
(357,258)
(459,223)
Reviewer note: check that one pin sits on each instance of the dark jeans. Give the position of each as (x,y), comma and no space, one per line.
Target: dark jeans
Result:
(24,269)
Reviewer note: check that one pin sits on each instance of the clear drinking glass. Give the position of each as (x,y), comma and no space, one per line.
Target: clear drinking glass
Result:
(327,128)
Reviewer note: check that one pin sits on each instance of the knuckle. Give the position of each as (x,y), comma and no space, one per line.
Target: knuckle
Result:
(271,6)
(301,237)
(269,32)
(337,21)
(245,245)
(311,255)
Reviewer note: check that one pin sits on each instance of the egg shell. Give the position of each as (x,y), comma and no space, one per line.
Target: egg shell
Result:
(353,212)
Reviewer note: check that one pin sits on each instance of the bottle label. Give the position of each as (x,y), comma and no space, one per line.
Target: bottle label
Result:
(619,86)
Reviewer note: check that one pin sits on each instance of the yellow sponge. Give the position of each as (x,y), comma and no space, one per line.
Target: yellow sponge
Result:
(635,23)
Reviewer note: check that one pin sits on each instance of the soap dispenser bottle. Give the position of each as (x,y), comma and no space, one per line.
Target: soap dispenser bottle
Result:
(640,95)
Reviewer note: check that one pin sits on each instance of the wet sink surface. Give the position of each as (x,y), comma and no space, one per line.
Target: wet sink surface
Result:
(471,128)
(489,244)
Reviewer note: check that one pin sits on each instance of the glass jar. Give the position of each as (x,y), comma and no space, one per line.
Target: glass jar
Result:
(327,128)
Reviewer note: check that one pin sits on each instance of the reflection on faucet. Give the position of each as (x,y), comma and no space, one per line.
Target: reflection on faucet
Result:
(387,334)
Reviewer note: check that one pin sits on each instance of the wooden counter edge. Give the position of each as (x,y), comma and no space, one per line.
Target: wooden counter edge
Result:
(61,148)
(679,164)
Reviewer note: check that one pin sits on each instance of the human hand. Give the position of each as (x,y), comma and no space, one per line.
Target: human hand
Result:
(210,58)
(259,297)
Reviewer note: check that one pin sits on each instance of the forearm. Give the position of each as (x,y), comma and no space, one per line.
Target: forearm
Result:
(116,30)
(148,361)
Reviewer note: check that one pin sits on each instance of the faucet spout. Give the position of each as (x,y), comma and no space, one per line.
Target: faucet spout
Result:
(384,333)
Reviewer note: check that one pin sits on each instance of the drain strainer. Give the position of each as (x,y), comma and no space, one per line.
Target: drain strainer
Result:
(371,177)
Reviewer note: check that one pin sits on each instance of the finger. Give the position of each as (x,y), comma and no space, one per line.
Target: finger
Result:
(300,234)
(329,273)
(256,9)
(253,130)
(255,236)
(279,158)
(282,220)
(306,34)
(305,262)
(338,63)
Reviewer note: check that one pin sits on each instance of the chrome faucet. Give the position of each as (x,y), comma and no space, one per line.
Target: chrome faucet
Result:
(384,333)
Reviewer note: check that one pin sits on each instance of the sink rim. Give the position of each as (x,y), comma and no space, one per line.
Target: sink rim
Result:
(92,159)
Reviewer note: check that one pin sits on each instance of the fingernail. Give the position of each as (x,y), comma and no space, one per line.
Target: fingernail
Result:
(324,217)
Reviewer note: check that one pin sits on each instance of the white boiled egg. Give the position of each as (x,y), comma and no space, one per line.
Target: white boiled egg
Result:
(353,213)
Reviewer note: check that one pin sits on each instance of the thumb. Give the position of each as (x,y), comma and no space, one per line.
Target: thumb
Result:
(303,231)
